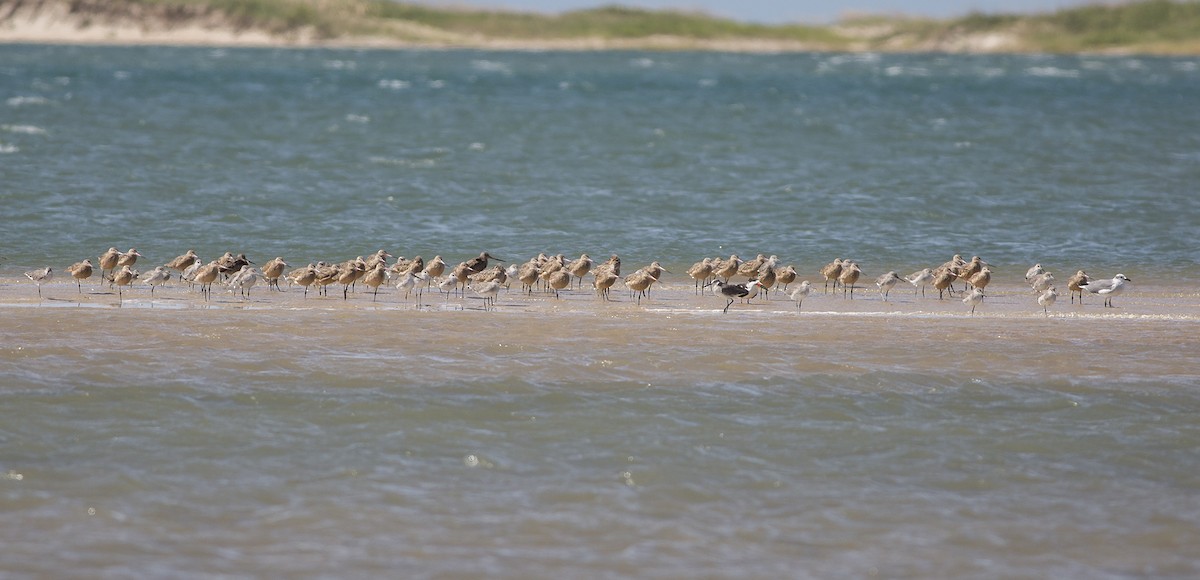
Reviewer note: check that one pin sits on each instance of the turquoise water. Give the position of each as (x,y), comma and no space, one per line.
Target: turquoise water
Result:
(322,437)
(898,160)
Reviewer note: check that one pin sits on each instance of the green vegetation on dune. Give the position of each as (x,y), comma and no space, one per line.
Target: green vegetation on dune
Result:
(1161,26)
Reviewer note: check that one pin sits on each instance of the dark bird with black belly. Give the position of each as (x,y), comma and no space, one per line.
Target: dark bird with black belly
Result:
(730,291)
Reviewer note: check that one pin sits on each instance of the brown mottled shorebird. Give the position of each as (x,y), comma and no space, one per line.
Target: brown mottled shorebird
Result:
(108,262)
(639,282)
(700,272)
(850,274)
(128,258)
(230,264)
(727,268)
(558,280)
(1042,282)
(379,257)
(981,278)
(477,265)
(189,275)
(749,269)
(124,277)
(831,272)
(81,271)
(435,267)
(528,274)
(205,277)
(1075,285)
(603,281)
(40,277)
(580,267)
(272,270)
(182,262)
(767,278)
(786,276)
(303,276)
(942,281)
(375,278)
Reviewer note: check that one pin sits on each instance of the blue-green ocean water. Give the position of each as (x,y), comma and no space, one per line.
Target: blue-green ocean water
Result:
(897,160)
(318,437)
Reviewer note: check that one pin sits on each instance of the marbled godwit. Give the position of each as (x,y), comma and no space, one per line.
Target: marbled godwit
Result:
(379,257)
(700,272)
(434,268)
(272,270)
(1046,300)
(831,272)
(1042,282)
(304,276)
(205,277)
(375,278)
(973,299)
(850,274)
(244,280)
(801,292)
(81,271)
(488,291)
(494,273)
(920,280)
(727,269)
(767,278)
(40,277)
(971,268)
(942,281)
(750,268)
(730,291)
(558,280)
(580,267)
(349,275)
(128,258)
(1074,285)
(183,262)
(655,270)
(108,261)
(158,276)
(638,283)
(122,278)
(327,275)
(1036,270)
(528,274)
(786,276)
(1107,288)
(603,281)
(981,278)
(886,282)
(230,266)
(461,273)
(476,265)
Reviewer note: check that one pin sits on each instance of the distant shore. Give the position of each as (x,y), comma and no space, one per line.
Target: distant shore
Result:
(370,24)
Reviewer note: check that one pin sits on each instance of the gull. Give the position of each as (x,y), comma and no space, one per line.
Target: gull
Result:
(1046,300)
(40,277)
(1107,288)
(488,291)
(886,282)
(801,292)
(920,280)
(973,299)
(1074,285)
(81,271)
(157,277)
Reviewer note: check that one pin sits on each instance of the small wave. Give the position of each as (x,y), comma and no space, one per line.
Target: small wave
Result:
(22,101)
(6,148)
(352,118)
(340,64)
(394,84)
(491,66)
(641,63)
(23,129)
(1052,71)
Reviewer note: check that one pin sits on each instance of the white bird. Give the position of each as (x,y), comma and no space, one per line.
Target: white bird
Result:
(448,285)
(157,276)
(1046,300)
(973,299)
(1042,282)
(801,292)
(1107,288)
(244,280)
(408,282)
(920,279)
(886,282)
(189,275)
(40,277)
(488,291)
(1034,272)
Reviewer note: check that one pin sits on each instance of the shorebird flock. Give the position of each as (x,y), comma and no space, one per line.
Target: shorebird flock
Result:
(553,274)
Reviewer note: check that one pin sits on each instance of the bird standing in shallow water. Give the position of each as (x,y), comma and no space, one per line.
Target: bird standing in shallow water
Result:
(1107,288)
(886,282)
(973,299)
(730,291)
(40,277)
(801,292)
(1046,300)
(81,271)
